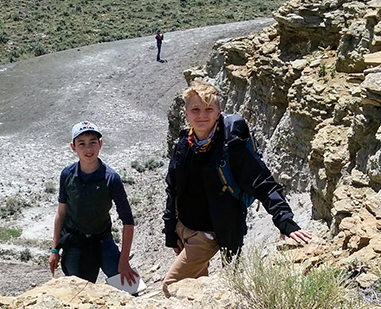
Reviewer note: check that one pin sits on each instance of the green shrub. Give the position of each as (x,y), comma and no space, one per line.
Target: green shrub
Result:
(137,166)
(125,178)
(50,187)
(279,283)
(12,206)
(130,181)
(166,7)
(150,8)
(8,233)
(332,72)
(229,16)
(25,255)
(355,268)
(78,8)
(4,38)
(39,50)
(16,17)
(133,201)
(13,54)
(322,71)
(152,164)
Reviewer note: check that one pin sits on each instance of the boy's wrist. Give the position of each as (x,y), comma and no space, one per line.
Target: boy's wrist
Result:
(53,250)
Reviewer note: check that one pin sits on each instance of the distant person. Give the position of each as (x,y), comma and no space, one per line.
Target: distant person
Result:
(200,218)
(82,224)
(159,40)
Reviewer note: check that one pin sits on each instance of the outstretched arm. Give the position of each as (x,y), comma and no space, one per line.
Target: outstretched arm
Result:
(255,178)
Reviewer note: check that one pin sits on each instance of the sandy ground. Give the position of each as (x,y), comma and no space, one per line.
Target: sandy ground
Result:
(121,88)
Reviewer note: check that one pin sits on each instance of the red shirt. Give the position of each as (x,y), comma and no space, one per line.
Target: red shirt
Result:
(159,38)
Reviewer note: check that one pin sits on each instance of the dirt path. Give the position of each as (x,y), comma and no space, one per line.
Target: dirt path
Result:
(119,86)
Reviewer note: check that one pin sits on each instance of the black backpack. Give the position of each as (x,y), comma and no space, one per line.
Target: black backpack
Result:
(224,171)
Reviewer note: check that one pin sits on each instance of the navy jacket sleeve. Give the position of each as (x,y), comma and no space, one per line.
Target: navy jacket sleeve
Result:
(170,215)
(255,178)
(62,195)
(119,195)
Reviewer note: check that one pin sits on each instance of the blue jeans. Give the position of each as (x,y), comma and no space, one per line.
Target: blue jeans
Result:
(109,258)
(158,52)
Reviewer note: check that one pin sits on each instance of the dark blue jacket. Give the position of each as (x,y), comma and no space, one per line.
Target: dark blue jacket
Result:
(89,199)
(227,213)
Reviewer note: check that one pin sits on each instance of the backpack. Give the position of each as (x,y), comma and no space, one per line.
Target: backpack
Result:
(224,172)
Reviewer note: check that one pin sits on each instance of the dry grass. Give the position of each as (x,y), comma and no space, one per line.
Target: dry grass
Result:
(279,283)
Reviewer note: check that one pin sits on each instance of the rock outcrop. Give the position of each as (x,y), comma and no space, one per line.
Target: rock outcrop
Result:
(310,85)
(72,292)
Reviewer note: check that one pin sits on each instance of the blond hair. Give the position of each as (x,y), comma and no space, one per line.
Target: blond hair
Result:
(204,90)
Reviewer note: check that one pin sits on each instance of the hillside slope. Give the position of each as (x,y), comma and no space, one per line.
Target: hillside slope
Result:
(121,88)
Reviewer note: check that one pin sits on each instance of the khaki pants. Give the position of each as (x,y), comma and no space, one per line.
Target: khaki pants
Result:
(193,260)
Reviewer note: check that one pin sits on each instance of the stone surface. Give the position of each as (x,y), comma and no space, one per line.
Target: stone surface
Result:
(366,280)
(72,292)
(373,59)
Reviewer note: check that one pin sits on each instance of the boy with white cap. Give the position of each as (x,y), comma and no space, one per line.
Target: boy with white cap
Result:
(82,225)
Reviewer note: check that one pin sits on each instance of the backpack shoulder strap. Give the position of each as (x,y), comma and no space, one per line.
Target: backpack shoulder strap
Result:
(235,129)
(226,177)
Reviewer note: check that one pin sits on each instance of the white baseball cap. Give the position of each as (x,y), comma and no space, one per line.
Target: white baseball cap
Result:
(82,127)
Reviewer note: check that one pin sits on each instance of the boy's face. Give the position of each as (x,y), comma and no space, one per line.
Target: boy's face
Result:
(87,147)
(200,116)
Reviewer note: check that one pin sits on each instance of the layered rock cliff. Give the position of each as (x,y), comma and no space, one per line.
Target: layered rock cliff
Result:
(310,86)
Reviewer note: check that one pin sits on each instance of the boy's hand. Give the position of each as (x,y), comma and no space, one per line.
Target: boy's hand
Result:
(127,272)
(54,259)
(301,236)
(179,248)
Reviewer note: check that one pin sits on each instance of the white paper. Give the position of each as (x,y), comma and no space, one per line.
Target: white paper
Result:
(136,287)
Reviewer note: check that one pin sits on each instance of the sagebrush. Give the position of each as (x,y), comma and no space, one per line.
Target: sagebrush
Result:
(30,28)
